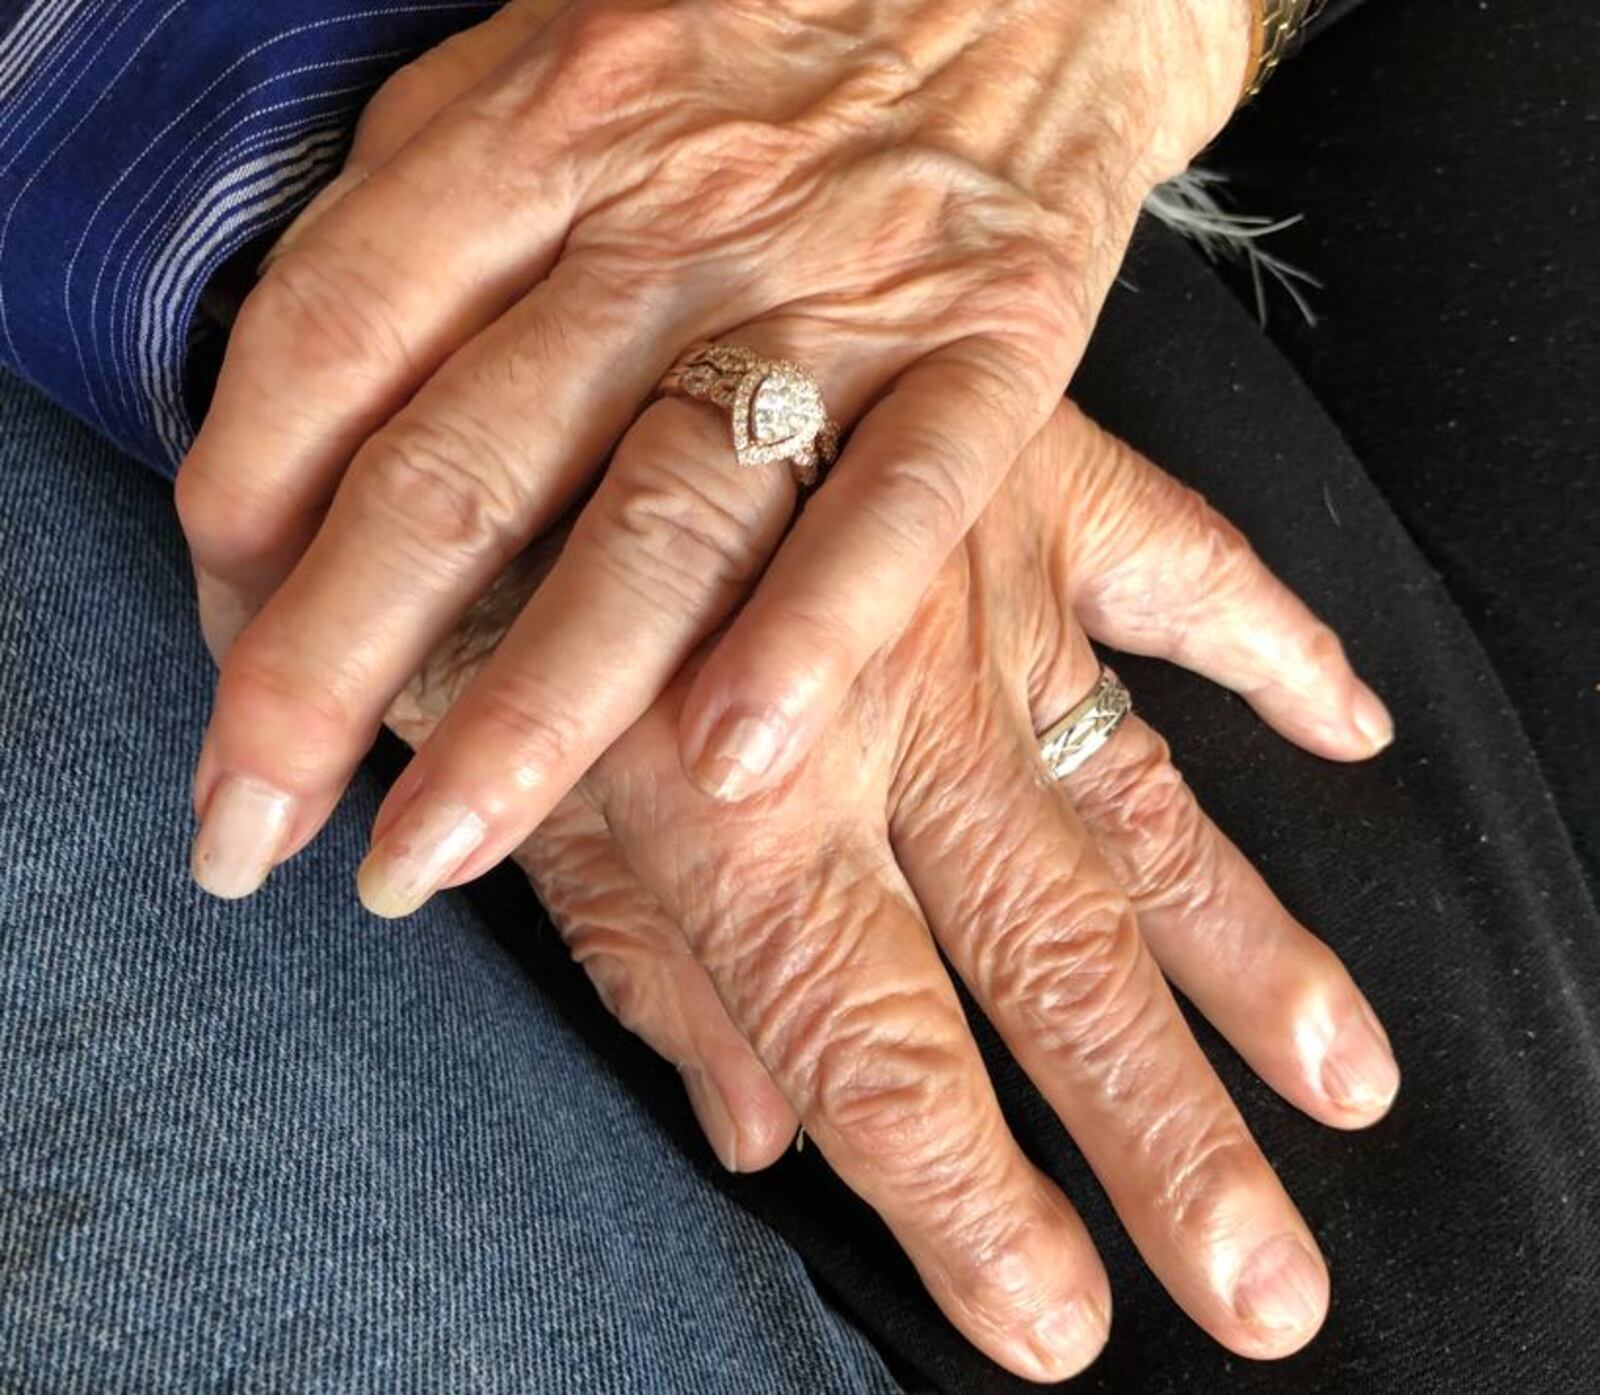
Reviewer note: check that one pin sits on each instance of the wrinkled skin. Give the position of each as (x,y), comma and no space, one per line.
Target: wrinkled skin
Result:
(782,950)
(922,200)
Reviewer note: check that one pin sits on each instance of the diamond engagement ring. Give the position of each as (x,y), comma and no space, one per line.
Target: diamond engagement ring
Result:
(1087,727)
(776,406)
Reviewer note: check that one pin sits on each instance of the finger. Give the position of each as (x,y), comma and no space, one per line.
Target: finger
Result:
(1034,922)
(918,470)
(821,959)
(344,326)
(674,537)
(412,96)
(644,974)
(1264,981)
(1158,571)
(434,506)
(634,955)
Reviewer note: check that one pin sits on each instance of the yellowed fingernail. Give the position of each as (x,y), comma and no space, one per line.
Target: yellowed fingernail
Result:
(1372,718)
(427,843)
(240,837)
(738,753)
(1281,1290)
(1359,1070)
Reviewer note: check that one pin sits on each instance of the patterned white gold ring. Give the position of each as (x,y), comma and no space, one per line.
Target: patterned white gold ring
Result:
(1067,744)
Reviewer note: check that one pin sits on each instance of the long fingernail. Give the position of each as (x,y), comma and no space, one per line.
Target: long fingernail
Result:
(1371,717)
(738,754)
(1358,1069)
(1067,1338)
(1281,1290)
(240,837)
(716,1120)
(426,845)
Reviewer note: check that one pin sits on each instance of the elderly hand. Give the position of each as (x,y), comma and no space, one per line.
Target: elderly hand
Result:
(780,950)
(922,201)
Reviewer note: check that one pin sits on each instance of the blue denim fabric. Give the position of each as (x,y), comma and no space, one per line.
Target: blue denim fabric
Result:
(279,1145)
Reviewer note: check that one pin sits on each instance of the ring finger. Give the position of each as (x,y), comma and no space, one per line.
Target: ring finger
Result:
(672,540)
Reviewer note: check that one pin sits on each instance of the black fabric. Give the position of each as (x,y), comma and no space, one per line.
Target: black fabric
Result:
(1445,155)
(1464,1232)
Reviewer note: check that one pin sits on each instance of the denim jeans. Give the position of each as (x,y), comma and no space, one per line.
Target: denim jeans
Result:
(278,1145)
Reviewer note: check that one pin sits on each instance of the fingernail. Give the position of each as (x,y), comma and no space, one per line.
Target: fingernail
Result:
(243,830)
(716,1120)
(1281,1288)
(1067,1338)
(1372,718)
(1358,1069)
(427,843)
(739,751)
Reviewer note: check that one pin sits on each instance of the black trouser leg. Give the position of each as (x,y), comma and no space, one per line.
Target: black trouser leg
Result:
(1446,156)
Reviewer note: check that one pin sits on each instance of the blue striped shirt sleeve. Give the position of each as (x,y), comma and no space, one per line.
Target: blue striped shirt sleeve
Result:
(144,142)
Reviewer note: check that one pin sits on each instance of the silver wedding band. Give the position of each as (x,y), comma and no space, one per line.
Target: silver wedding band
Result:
(1067,744)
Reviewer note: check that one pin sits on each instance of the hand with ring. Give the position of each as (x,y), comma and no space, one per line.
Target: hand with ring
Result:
(900,219)
(927,820)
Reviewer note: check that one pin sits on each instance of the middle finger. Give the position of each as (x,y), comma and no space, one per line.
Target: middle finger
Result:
(1036,924)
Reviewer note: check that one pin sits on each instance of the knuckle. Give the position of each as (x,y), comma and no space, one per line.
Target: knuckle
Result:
(994,1265)
(329,317)
(888,1077)
(533,730)
(674,533)
(1322,651)
(925,495)
(629,996)
(603,58)
(1165,854)
(1222,555)
(321,719)
(1069,960)
(410,91)
(1046,291)
(1206,1159)
(1034,285)
(618,38)
(440,488)
(219,516)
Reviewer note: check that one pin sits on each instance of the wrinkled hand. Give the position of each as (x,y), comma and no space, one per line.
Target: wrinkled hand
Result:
(923,201)
(780,951)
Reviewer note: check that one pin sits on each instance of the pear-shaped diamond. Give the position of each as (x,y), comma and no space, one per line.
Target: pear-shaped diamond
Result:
(785,408)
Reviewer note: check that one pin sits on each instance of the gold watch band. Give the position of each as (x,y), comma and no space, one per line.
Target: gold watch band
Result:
(1278,24)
